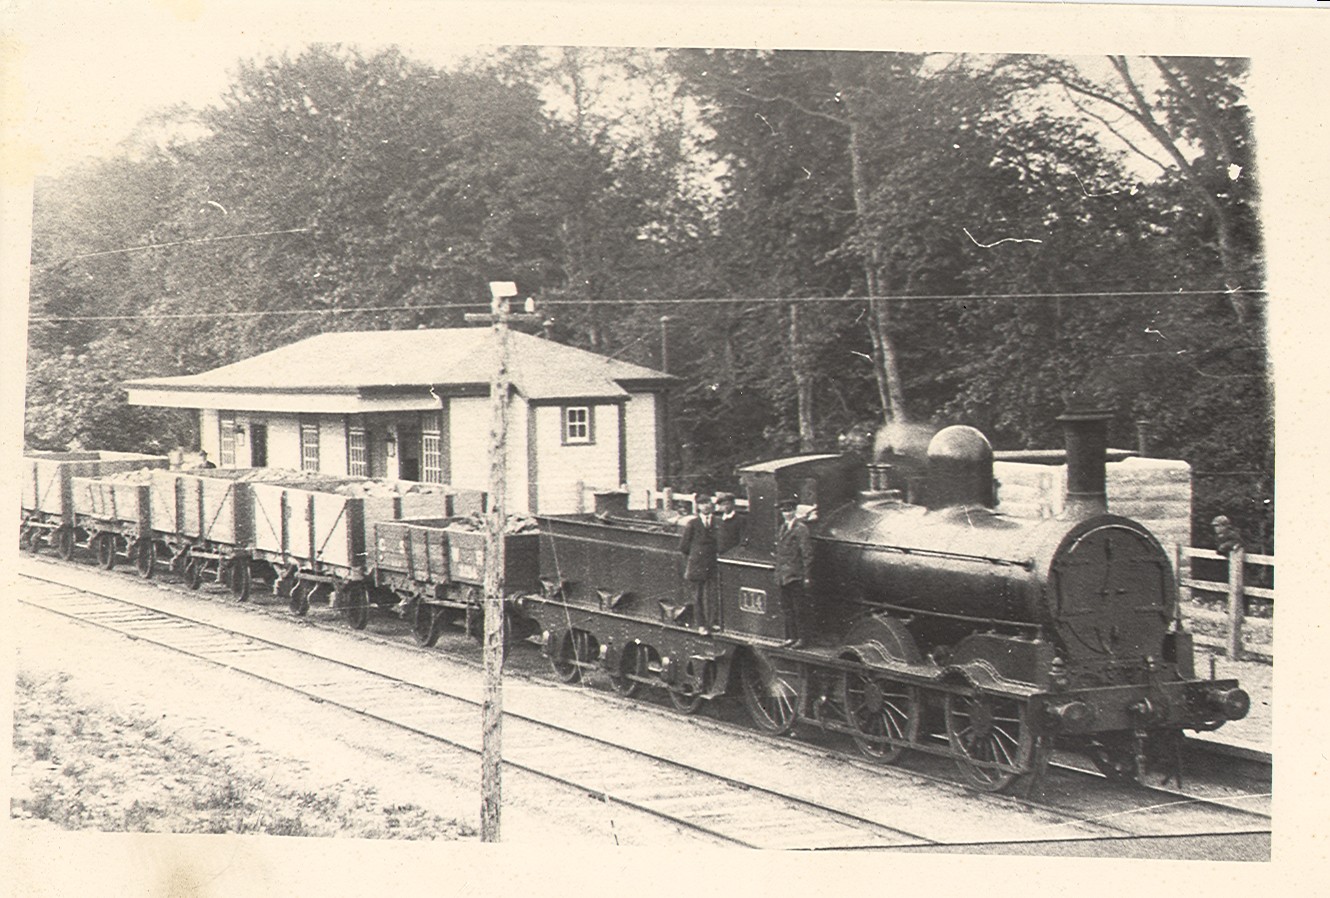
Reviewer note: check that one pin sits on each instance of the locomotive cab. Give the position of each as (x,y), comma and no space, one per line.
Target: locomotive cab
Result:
(749,595)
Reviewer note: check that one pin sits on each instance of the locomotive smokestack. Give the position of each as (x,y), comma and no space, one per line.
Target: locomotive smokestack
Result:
(1086,435)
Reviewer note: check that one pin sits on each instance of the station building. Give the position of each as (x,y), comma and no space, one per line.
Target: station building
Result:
(415,405)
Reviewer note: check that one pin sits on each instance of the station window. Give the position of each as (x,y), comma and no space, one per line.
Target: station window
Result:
(431,447)
(578,425)
(309,446)
(227,441)
(357,459)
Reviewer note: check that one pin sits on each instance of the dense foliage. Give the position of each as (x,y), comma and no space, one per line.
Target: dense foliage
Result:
(844,239)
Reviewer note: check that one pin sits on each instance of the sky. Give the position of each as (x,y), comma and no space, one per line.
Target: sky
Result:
(81,73)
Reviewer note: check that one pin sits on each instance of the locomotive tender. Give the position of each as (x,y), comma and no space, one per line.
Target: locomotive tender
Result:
(937,625)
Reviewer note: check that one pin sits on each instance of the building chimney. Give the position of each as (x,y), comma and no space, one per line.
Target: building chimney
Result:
(1086,435)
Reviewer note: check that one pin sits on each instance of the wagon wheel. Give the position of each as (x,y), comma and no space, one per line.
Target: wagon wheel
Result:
(105,547)
(355,601)
(990,738)
(879,710)
(193,572)
(299,597)
(576,647)
(239,577)
(634,662)
(684,702)
(768,694)
(30,539)
(427,625)
(145,558)
(64,543)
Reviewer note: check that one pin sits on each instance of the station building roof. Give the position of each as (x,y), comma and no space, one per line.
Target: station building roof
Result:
(363,371)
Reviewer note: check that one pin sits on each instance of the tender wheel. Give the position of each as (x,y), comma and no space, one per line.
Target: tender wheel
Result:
(575,648)
(355,603)
(427,625)
(768,694)
(193,573)
(685,703)
(106,551)
(299,596)
(634,662)
(240,578)
(990,739)
(64,543)
(145,558)
(884,715)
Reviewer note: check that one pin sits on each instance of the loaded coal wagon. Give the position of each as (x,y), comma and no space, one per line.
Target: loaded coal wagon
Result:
(54,512)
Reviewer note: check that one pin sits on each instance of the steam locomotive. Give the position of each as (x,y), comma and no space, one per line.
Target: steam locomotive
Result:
(934,624)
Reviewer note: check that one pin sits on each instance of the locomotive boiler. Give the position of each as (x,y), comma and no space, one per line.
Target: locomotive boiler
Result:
(934,624)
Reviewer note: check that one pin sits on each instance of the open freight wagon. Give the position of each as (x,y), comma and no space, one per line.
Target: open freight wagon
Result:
(49,515)
(436,567)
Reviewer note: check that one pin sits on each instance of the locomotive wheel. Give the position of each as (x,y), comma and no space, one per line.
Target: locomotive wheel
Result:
(575,648)
(106,551)
(990,739)
(685,703)
(240,578)
(768,695)
(426,625)
(193,573)
(64,543)
(299,595)
(355,600)
(880,710)
(634,662)
(145,558)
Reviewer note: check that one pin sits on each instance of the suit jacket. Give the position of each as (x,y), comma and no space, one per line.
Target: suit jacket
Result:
(729,532)
(794,553)
(697,544)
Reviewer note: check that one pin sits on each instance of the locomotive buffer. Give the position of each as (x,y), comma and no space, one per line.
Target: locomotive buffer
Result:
(491,789)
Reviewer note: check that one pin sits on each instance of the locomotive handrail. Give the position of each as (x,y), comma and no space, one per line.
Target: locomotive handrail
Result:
(1026,564)
(991,621)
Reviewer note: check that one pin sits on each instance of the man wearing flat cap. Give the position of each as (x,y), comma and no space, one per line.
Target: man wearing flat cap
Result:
(794,563)
(697,545)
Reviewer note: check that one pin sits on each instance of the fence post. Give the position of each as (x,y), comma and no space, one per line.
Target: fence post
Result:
(1236,562)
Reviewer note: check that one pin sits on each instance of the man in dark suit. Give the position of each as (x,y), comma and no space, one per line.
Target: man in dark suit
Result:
(697,545)
(794,564)
(729,528)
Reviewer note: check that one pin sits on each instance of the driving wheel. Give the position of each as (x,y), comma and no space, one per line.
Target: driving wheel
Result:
(884,715)
(990,739)
(769,693)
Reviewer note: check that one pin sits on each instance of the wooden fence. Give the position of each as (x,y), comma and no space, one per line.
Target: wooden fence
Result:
(1235,588)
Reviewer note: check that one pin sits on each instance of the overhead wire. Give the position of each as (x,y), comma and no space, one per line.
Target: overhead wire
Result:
(689,301)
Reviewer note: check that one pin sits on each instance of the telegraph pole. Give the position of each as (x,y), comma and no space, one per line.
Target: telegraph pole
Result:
(491,789)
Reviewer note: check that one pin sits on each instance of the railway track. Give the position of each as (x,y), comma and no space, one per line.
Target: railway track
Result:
(734,807)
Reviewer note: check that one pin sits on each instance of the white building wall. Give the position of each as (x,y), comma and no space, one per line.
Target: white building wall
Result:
(519,492)
(332,444)
(210,440)
(640,443)
(563,470)
(284,442)
(468,442)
